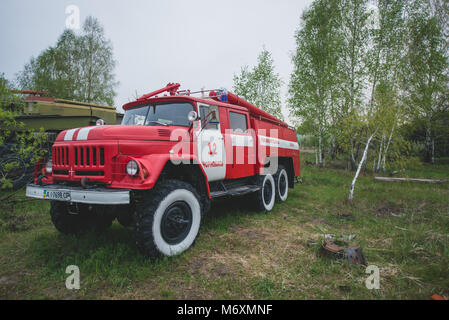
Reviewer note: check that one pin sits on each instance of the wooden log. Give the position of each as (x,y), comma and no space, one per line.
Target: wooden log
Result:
(387,179)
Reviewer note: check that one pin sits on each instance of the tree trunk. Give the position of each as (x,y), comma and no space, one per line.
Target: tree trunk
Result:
(433,151)
(428,143)
(388,145)
(365,152)
(353,164)
(380,154)
(333,148)
(320,152)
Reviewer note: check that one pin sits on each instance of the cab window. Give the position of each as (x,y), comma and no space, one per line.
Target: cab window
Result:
(238,122)
(209,114)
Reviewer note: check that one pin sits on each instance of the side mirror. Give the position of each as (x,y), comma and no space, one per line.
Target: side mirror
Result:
(100,122)
(192,116)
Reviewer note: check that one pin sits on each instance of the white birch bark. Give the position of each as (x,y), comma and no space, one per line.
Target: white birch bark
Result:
(365,152)
(379,160)
(320,155)
(388,145)
(433,151)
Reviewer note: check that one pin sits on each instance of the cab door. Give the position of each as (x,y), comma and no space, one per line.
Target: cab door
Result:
(211,151)
(240,141)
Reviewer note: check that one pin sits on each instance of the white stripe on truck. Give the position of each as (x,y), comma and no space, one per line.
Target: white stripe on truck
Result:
(241,140)
(275,142)
(84,133)
(69,134)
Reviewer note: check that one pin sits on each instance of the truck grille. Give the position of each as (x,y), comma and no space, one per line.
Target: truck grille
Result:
(89,156)
(82,160)
(61,156)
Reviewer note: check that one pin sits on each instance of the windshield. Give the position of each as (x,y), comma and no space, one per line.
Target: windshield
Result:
(163,114)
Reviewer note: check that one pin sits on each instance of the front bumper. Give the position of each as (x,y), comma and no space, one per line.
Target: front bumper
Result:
(78,194)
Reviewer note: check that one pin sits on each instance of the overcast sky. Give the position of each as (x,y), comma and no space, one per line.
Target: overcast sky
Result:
(196,43)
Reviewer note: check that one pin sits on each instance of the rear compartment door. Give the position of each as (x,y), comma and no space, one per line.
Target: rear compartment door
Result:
(240,142)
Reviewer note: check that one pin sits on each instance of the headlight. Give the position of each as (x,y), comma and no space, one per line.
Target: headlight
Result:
(132,168)
(48,167)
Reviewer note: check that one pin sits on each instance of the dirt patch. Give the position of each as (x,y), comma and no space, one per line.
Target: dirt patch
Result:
(388,210)
(221,270)
(317,221)
(7,280)
(253,233)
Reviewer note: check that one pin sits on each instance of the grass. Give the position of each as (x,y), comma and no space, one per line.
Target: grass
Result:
(402,228)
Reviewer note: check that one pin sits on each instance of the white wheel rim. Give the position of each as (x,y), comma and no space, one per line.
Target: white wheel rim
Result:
(270,205)
(284,196)
(192,201)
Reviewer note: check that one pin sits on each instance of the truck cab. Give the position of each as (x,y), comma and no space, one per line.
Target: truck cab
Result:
(158,171)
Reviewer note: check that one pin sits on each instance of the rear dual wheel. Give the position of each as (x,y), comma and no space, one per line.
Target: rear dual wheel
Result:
(272,188)
(281,180)
(266,195)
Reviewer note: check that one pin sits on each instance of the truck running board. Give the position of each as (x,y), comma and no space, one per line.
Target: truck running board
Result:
(238,191)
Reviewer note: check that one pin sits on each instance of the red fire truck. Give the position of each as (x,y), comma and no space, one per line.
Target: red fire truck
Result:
(158,171)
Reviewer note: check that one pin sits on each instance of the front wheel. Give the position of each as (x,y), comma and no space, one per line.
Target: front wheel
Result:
(167,219)
(79,218)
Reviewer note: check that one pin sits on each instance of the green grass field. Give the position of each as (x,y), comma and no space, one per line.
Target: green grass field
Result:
(403,229)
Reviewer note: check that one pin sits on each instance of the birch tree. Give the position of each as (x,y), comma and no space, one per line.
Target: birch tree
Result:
(97,64)
(353,28)
(383,59)
(261,86)
(78,67)
(313,81)
(427,79)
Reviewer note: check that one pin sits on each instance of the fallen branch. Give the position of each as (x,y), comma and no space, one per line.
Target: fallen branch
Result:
(387,179)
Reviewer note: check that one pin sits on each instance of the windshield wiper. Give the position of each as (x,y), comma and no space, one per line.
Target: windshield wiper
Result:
(158,122)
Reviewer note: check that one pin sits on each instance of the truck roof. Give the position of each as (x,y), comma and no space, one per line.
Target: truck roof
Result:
(218,97)
(184,98)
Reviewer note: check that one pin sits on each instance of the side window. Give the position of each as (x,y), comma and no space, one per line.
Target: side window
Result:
(209,114)
(238,122)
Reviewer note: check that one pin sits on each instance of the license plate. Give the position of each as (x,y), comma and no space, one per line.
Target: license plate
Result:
(57,195)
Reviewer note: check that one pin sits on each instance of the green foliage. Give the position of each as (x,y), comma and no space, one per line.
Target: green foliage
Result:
(261,86)
(78,67)
(26,144)
(427,79)
(364,67)
(314,83)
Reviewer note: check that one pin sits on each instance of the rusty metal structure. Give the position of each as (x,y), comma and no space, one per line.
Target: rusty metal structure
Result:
(55,115)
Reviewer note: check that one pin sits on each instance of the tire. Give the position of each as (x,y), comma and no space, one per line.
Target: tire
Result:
(125,215)
(66,222)
(281,180)
(84,220)
(99,218)
(167,219)
(265,197)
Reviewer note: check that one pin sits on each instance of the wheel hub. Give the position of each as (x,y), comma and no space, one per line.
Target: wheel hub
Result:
(267,192)
(176,222)
(282,185)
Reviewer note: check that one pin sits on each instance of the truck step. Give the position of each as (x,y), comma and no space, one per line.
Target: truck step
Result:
(238,191)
